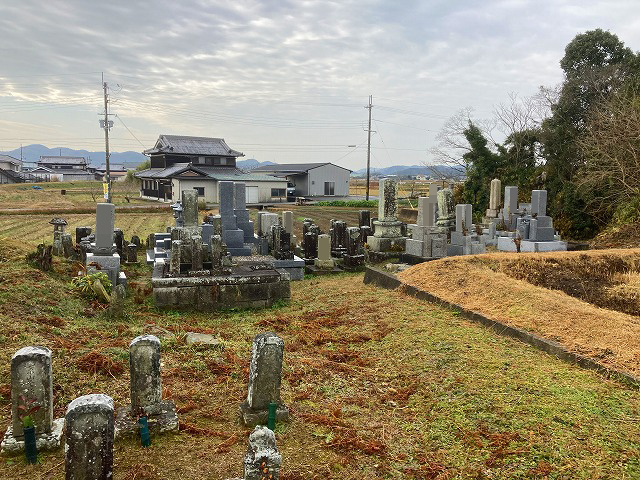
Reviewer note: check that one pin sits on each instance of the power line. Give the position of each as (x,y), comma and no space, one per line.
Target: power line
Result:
(125,126)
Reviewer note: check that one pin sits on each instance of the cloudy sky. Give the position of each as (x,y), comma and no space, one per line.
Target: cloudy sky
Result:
(281,80)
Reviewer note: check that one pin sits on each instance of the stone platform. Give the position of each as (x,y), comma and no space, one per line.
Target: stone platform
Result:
(166,420)
(506,244)
(44,441)
(250,285)
(251,418)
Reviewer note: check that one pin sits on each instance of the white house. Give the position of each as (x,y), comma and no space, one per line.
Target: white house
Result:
(311,179)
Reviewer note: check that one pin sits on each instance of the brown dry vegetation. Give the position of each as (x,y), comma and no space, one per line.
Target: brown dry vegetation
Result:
(624,236)
(564,296)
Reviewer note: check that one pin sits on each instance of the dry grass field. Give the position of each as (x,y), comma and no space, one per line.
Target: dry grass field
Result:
(587,301)
(77,195)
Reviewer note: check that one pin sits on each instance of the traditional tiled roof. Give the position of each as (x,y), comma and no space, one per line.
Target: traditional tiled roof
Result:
(289,168)
(52,160)
(9,159)
(183,145)
(214,173)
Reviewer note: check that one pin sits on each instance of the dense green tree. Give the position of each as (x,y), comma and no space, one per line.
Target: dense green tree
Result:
(482,165)
(596,63)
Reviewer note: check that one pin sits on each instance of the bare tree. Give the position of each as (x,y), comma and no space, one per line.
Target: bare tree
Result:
(611,147)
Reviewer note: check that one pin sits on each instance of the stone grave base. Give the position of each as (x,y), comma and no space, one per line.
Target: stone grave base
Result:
(251,418)
(314,269)
(44,441)
(250,285)
(505,244)
(386,244)
(164,421)
(414,259)
(353,263)
(294,267)
(109,264)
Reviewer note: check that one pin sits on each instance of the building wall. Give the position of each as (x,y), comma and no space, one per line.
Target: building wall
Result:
(210,188)
(301,184)
(328,173)
(10,166)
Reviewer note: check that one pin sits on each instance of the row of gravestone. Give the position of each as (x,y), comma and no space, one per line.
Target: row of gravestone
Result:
(91,424)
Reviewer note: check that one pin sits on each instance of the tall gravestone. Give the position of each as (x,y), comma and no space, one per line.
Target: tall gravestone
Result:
(89,438)
(32,386)
(146,390)
(494,198)
(446,210)
(243,221)
(104,252)
(510,205)
(265,376)
(387,232)
(464,217)
(324,260)
(232,236)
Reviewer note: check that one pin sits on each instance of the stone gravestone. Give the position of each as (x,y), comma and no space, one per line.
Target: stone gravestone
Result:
(67,246)
(464,217)
(262,460)
(104,252)
(494,199)
(427,207)
(387,231)
(82,232)
(310,247)
(265,376)
(190,208)
(240,210)
(324,260)
(287,223)
(89,438)
(446,211)
(146,391)
(132,253)
(232,235)
(427,240)
(510,206)
(354,258)
(32,385)
(338,234)
(59,225)
(118,239)
(281,243)
(364,218)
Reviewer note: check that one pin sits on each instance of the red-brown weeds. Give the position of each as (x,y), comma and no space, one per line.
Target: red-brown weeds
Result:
(95,362)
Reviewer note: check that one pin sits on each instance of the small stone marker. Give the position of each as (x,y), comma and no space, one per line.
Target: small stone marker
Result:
(89,438)
(82,232)
(262,460)
(32,379)
(144,365)
(364,218)
(265,376)
(193,338)
(132,253)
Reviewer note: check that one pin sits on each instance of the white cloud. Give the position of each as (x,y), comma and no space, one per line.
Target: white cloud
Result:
(256,72)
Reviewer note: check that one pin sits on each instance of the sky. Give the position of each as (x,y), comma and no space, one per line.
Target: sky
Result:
(281,80)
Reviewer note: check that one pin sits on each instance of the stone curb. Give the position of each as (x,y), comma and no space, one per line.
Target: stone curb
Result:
(390,282)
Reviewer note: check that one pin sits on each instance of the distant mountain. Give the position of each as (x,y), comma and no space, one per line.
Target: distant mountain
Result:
(32,153)
(409,170)
(251,163)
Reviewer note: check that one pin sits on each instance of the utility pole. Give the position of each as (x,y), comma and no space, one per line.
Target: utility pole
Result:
(370,106)
(106,139)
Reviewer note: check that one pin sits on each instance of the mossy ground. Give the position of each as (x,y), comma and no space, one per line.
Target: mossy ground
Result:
(380,385)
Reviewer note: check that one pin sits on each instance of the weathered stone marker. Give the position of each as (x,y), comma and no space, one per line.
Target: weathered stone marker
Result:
(146,391)
(144,366)
(190,208)
(89,438)
(494,198)
(446,210)
(32,385)
(262,460)
(265,376)
(105,223)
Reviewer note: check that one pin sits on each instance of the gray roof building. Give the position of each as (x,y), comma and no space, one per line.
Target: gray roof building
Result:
(47,160)
(185,145)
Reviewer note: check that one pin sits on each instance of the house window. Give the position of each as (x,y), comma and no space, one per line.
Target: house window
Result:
(200,191)
(329,188)
(278,192)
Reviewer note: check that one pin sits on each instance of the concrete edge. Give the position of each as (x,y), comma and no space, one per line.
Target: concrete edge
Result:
(390,282)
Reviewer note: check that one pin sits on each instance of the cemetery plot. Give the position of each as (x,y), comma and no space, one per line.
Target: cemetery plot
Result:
(378,385)
(587,301)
